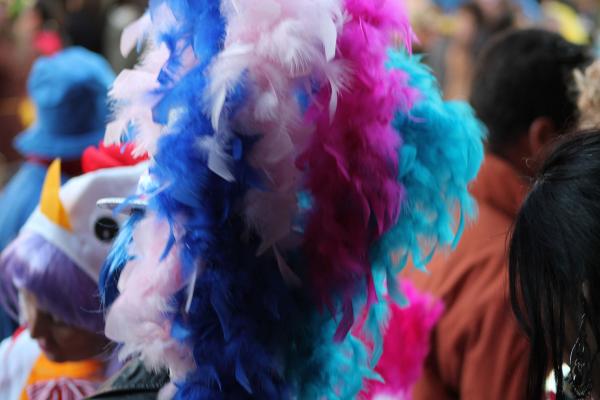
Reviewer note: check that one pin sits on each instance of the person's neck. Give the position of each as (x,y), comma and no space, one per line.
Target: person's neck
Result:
(522,161)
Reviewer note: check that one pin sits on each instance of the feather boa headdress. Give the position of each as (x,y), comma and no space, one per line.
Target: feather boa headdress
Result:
(284,154)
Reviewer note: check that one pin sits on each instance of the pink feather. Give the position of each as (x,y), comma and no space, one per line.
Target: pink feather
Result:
(278,46)
(135,33)
(139,317)
(351,164)
(134,92)
(406,345)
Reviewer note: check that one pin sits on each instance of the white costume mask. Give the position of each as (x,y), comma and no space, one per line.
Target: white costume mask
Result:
(68,217)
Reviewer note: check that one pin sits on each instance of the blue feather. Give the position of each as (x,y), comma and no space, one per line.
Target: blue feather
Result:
(441,153)
(252,336)
(116,260)
(234,324)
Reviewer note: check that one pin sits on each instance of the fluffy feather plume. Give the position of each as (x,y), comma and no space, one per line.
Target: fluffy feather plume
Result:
(406,344)
(141,317)
(441,155)
(319,367)
(242,320)
(230,99)
(188,35)
(278,48)
(235,314)
(139,95)
(135,92)
(351,163)
(238,316)
(117,259)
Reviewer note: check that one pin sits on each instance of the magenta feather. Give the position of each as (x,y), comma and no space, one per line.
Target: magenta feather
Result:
(351,163)
(406,345)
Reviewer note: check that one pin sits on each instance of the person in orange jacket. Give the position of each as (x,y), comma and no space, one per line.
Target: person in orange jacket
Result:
(522,93)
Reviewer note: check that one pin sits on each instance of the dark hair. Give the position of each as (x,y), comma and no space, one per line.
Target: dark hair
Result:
(554,250)
(522,75)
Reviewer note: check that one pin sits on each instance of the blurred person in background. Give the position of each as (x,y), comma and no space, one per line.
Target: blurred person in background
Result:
(38,29)
(553,264)
(588,85)
(48,277)
(12,88)
(118,16)
(71,22)
(84,23)
(33,28)
(460,30)
(468,35)
(21,40)
(454,31)
(69,91)
(563,17)
(589,12)
(523,92)
(26,32)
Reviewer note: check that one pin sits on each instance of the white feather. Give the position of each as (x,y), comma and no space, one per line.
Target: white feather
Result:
(266,106)
(277,46)
(219,161)
(134,33)
(328,35)
(225,73)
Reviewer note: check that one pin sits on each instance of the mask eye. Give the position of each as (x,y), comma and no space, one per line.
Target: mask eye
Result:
(106,229)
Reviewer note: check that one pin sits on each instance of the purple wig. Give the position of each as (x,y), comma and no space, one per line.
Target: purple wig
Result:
(62,289)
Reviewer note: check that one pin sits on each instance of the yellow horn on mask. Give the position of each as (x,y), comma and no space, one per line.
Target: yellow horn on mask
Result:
(50,204)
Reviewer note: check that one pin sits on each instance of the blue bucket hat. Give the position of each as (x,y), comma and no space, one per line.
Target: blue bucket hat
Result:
(69,91)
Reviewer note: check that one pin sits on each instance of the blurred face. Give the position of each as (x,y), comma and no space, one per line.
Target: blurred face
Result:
(466,31)
(60,342)
(492,8)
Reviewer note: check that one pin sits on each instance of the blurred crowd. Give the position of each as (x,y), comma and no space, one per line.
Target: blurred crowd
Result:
(450,33)
(523,67)
(30,28)
(453,32)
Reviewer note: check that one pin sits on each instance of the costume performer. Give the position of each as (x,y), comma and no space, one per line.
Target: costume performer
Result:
(49,276)
(69,91)
(288,186)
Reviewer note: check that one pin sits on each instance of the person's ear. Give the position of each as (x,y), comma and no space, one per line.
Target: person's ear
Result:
(541,132)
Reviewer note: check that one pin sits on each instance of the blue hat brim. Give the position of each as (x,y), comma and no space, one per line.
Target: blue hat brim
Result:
(39,142)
